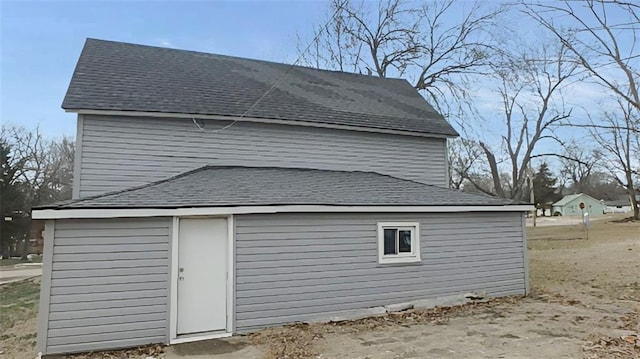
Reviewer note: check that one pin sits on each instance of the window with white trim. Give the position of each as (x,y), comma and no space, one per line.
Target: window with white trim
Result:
(398,242)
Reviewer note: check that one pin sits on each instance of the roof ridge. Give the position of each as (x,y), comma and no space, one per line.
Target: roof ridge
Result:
(128,189)
(431,185)
(209,166)
(246,58)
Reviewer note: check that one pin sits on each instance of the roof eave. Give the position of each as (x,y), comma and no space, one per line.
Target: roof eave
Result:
(77,213)
(84,111)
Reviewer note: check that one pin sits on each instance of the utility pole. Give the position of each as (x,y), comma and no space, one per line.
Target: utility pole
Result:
(532,197)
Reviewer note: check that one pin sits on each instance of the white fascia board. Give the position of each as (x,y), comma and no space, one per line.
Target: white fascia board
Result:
(225,211)
(253,119)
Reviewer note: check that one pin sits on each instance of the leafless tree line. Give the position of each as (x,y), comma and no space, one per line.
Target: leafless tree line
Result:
(409,40)
(36,170)
(447,49)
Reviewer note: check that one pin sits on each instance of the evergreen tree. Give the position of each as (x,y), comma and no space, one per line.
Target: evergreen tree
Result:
(544,188)
(13,226)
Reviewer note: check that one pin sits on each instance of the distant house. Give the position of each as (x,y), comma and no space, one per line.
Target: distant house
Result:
(570,206)
(621,205)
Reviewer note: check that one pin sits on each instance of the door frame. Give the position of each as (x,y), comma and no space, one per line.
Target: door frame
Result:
(174,338)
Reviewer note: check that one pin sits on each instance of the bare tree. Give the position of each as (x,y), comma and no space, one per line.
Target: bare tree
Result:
(602,36)
(415,41)
(620,148)
(577,166)
(333,46)
(36,171)
(464,157)
(530,89)
(46,166)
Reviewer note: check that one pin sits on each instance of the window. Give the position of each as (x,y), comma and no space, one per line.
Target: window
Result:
(398,242)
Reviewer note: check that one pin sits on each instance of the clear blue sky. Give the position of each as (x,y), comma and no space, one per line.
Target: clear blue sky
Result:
(41,42)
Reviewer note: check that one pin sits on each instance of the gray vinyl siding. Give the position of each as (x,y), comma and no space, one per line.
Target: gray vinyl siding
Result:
(121,152)
(296,267)
(109,284)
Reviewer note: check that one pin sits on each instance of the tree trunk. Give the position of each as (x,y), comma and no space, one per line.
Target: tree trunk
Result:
(495,174)
(25,249)
(634,204)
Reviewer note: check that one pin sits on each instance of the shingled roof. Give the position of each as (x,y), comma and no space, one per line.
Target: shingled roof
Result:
(222,186)
(115,76)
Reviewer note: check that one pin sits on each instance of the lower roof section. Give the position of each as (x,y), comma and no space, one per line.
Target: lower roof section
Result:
(226,211)
(216,190)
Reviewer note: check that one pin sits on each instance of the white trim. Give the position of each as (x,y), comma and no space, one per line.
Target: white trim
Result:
(45,287)
(525,256)
(412,257)
(77,158)
(195,338)
(225,211)
(447,172)
(230,273)
(173,305)
(253,119)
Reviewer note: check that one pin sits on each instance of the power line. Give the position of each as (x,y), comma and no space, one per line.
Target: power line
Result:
(273,86)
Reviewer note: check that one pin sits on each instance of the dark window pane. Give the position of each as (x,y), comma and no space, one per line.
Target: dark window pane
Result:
(404,241)
(390,241)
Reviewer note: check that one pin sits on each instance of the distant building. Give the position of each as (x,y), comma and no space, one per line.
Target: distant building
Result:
(622,205)
(570,206)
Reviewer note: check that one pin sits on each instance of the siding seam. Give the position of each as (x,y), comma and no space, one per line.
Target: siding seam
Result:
(77,161)
(525,257)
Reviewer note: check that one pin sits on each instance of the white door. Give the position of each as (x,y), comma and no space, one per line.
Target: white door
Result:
(202,275)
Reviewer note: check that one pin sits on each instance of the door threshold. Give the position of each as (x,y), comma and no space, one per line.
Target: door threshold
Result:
(186,338)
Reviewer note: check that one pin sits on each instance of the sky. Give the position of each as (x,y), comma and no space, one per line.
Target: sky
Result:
(41,42)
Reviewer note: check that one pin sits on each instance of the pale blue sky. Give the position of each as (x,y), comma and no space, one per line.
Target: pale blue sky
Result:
(41,42)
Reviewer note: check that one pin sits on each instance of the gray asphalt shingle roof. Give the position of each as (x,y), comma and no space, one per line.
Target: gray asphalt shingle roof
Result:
(221,186)
(127,77)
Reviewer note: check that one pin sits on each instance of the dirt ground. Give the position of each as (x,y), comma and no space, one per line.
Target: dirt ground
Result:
(570,220)
(585,303)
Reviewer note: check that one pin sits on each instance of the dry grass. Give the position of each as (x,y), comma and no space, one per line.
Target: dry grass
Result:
(574,236)
(19,308)
(622,347)
(605,267)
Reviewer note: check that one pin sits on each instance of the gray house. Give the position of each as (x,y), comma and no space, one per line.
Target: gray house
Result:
(216,195)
